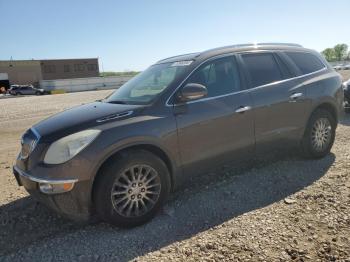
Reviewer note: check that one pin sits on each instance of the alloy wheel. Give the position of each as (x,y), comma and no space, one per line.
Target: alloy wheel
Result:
(321,134)
(136,191)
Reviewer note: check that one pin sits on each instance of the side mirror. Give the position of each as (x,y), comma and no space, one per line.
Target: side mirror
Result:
(192,91)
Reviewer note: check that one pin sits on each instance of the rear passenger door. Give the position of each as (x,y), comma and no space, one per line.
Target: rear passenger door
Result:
(309,68)
(278,98)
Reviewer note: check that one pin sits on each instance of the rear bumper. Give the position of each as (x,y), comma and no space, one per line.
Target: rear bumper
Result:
(74,204)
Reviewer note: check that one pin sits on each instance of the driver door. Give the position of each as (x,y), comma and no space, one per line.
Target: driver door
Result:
(218,128)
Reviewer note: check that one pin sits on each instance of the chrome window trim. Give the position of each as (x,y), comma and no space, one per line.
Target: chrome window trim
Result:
(40,180)
(213,97)
(256,87)
(288,79)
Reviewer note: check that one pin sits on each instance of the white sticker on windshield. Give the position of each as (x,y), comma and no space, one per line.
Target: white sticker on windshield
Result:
(182,63)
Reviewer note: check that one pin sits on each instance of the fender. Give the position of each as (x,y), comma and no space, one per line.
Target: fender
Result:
(141,141)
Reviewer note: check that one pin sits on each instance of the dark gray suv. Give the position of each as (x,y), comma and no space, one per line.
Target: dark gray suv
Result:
(120,157)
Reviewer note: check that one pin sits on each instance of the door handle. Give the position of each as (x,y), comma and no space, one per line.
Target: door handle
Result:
(242,109)
(296,96)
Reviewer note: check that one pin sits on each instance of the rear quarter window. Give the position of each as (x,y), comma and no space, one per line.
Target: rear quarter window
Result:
(306,62)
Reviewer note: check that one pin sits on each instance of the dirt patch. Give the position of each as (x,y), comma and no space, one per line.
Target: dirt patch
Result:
(345,74)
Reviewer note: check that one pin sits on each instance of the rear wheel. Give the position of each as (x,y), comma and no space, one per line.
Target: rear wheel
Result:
(319,134)
(131,189)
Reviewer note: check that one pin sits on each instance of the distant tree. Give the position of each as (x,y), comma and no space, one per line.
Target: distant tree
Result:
(340,51)
(329,54)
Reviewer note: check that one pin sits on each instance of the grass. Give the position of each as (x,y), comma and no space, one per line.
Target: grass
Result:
(111,73)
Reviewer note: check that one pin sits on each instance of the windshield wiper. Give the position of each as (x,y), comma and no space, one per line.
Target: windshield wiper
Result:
(117,102)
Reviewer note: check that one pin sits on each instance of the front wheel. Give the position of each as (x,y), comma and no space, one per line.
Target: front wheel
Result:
(319,134)
(131,188)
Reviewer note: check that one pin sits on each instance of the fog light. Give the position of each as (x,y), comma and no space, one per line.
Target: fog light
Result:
(48,188)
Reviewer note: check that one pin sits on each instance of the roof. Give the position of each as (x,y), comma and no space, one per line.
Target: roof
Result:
(232,48)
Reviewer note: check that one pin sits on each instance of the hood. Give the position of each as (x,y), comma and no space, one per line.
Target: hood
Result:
(80,118)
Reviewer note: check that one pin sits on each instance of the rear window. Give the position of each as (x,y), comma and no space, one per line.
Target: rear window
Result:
(306,62)
(263,68)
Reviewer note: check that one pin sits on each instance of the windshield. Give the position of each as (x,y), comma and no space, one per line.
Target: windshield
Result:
(146,86)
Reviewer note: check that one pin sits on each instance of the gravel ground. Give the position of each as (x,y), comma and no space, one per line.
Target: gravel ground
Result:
(345,74)
(284,208)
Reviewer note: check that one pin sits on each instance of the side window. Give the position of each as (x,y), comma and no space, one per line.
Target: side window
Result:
(220,76)
(306,62)
(285,68)
(262,68)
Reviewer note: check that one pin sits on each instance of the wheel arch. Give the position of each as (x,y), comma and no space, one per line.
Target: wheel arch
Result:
(328,107)
(154,149)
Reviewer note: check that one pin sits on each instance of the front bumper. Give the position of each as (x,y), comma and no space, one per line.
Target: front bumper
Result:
(19,173)
(74,204)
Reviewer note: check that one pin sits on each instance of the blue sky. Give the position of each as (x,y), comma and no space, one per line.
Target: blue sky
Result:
(130,34)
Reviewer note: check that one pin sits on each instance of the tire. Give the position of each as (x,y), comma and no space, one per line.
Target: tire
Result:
(110,208)
(311,148)
(38,93)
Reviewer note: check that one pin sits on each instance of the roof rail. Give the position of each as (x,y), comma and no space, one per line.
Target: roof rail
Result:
(262,44)
(284,44)
(232,46)
(256,45)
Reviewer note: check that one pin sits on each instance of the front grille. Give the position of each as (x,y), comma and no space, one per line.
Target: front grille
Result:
(28,142)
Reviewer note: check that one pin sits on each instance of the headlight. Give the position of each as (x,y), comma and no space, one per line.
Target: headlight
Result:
(67,147)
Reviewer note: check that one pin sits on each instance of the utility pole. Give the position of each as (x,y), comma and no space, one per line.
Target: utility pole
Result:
(101,65)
